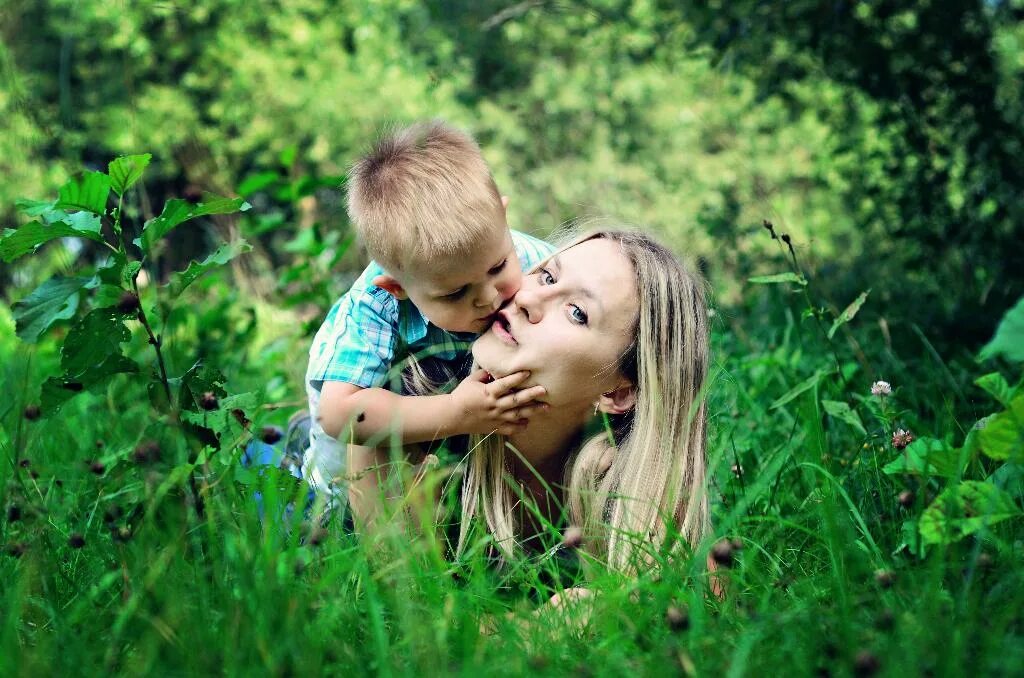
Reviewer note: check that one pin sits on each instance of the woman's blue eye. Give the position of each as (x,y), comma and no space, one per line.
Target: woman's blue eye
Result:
(578,314)
(545,277)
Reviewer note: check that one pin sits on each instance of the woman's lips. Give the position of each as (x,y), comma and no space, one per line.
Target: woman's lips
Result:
(502,332)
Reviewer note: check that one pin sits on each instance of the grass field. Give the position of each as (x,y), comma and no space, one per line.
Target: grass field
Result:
(109,565)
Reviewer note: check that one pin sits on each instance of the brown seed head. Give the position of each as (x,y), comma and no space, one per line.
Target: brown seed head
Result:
(146,452)
(866,663)
(128,303)
(271,434)
(722,553)
(239,415)
(885,578)
(677,618)
(208,401)
(13,513)
(572,538)
(906,498)
(99,444)
(97,467)
(901,438)
(32,412)
(76,541)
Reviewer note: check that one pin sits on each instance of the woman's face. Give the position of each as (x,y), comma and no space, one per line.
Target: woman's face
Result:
(568,325)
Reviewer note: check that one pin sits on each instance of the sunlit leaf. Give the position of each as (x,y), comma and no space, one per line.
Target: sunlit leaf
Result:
(86,192)
(222,255)
(927,457)
(15,243)
(126,170)
(56,299)
(996,386)
(1003,435)
(848,313)
(177,212)
(1009,339)
(965,508)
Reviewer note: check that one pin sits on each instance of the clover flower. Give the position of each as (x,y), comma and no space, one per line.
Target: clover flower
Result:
(901,438)
(881,388)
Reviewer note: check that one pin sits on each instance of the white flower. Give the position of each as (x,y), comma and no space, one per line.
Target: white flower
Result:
(881,388)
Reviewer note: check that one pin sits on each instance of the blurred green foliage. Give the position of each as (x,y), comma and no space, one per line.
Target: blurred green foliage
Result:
(883,136)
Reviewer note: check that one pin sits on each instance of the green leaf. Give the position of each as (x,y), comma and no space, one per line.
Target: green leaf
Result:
(15,243)
(1003,435)
(848,313)
(1009,339)
(805,385)
(126,170)
(257,182)
(34,208)
(90,341)
(56,299)
(779,278)
(843,412)
(927,457)
(86,192)
(996,386)
(1010,478)
(58,390)
(177,211)
(222,255)
(963,509)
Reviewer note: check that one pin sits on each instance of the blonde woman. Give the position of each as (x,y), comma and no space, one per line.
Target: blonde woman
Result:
(612,324)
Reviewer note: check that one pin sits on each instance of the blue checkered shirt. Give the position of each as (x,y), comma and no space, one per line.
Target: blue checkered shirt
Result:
(368,332)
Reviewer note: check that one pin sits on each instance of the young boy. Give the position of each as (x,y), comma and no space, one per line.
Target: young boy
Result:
(424,203)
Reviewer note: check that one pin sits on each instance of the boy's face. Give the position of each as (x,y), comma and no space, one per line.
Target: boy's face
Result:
(462,295)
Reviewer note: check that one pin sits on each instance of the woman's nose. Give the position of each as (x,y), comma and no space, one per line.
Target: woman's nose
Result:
(531,299)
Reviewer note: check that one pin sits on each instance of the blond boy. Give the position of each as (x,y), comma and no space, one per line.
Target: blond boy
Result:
(424,203)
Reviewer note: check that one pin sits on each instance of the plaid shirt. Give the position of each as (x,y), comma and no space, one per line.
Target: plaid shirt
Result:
(368,332)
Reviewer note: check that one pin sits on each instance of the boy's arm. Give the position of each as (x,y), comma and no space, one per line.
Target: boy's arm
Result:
(477,405)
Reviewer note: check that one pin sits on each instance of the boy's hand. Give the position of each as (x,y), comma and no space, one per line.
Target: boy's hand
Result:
(486,406)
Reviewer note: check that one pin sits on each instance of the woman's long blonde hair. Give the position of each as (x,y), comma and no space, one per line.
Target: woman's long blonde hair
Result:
(632,493)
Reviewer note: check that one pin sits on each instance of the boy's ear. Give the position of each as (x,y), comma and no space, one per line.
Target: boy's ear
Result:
(391,286)
(619,401)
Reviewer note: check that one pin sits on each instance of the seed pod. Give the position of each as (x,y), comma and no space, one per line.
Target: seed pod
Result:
(24,463)
(677,618)
(76,541)
(147,452)
(97,467)
(885,578)
(13,513)
(128,303)
(208,401)
(722,553)
(906,498)
(866,663)
(572,538)
(885,620)
(271,434)
(122,534)
(32,412)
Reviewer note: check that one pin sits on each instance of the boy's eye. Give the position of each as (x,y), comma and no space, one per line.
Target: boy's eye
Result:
(497,269)
(454,296)
(578,315)
(544,277)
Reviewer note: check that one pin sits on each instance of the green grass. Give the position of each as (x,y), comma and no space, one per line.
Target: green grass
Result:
(172,593)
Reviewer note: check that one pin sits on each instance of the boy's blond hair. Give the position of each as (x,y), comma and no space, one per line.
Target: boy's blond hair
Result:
(422,193)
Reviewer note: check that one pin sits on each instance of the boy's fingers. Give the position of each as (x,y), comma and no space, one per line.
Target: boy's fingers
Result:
(480,375)
(502,385)
(518,398)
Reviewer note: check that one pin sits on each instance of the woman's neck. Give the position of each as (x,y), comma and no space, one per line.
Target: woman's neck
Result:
(545,445)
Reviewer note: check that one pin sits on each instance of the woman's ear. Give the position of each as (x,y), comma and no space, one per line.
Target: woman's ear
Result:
(619,401)
(391,286)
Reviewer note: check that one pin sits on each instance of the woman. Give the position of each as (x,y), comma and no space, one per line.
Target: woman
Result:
(611,324)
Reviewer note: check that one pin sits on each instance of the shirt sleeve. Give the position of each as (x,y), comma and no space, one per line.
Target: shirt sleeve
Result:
(360,347)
